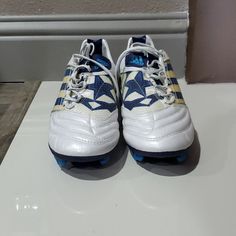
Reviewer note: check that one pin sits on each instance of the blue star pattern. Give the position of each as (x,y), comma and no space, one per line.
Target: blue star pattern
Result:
(100,88)
(138,85)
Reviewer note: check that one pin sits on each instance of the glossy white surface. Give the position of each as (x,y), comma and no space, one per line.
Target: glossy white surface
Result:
(37,198)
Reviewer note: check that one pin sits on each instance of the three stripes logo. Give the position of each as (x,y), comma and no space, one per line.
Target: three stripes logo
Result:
(137,60)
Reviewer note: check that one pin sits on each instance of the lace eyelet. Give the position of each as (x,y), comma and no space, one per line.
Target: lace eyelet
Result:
(69,105)
(169,99)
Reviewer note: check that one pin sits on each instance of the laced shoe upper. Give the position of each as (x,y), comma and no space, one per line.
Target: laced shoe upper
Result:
(88,84)
(155,117)
(84,120)
(147,77)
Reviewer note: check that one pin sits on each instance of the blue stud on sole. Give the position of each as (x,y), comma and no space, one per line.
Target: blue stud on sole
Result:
(104,161)
(62,163)
(137,157)
(178,156)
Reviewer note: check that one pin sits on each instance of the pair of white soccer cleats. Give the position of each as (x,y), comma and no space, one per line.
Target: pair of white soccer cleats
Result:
(84,123)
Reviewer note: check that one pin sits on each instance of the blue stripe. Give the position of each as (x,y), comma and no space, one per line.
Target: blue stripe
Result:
(68,72)
(174,80)
(59,101)
(169,66)
(179,95)
(64,86)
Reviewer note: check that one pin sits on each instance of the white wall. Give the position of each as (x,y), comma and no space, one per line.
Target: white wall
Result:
(29,7)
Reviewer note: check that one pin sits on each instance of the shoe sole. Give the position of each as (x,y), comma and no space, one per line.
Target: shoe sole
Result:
(68,162)
(177,156)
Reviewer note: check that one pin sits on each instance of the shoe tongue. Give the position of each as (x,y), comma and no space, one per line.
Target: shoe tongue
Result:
(139,59)
(97,45)
(141,39)
(94,67)
(97,56)
(136,59)
(101,60)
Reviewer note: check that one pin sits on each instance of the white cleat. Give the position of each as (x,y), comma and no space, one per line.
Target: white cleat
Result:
(156,121)
(84,122)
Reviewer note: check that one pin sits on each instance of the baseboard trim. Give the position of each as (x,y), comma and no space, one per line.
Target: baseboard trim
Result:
(38,47)
(113,24)
(88,17)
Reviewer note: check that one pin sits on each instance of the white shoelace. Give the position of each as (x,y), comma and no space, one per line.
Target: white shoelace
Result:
(78,82)
(153,74)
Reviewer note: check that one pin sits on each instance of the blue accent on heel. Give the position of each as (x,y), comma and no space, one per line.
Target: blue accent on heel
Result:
(82,159)
(104,161)
(61,163)
(176,156)
(137,157)
(181,158)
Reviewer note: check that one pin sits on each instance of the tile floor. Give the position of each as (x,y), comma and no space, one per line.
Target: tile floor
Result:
(15,99)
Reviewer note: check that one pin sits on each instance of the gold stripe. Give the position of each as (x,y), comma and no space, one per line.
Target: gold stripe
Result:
(58,108)
(66,79)
(62,94)
(179,101)
(175,88)
(170,74)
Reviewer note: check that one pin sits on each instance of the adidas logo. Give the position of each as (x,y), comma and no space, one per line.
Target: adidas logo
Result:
(138,60)
(103,62)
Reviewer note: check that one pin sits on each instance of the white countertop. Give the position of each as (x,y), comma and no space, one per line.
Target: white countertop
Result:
(124,199)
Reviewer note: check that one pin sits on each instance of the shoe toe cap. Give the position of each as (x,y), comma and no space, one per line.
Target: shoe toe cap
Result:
(73,134)
(166,130)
